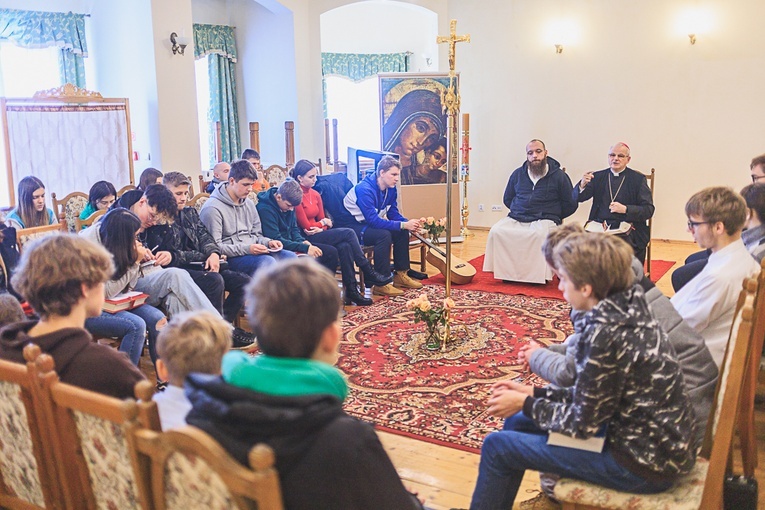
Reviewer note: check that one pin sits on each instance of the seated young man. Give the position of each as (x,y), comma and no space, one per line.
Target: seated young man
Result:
(261,183)
(291,398)
(191,342)
(220,174)
(193,249)
(372,212)
(62,277)
(628,384)
(233,221)
(754,235)
(276,208)
(708,302)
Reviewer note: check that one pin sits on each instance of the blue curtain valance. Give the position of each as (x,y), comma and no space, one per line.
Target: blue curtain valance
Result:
(214,39)
(360,66)
(36,29)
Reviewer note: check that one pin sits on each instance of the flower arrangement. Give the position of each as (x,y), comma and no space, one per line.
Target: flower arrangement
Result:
(433,227)
(434,317)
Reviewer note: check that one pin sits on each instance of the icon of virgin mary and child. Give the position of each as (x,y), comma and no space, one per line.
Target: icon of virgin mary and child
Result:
(416,131)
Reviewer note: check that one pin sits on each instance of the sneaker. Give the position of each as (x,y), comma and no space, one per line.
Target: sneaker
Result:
(242,339)
(387,290)
(401,279)
(539,502)
(417,275)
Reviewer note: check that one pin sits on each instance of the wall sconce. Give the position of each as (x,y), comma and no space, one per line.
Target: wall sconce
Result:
(694,22)
(562,32)
(179,43)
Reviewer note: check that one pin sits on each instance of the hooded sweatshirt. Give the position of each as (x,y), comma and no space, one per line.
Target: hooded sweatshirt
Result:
(78,360)
(234,225)
(280,225)
(325,458)
(377,208)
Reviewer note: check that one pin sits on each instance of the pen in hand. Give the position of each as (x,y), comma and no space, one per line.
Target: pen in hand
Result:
(153,249)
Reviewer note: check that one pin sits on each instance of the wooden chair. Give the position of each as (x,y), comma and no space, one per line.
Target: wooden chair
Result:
(81,224)
(651,178)
(24,235)
(203,184)
(702,488)
(198,200)
(186,468)
(68,209)
(123,189)
(191,186)
(28,475)
(93,435)
(746,426)
(276,174)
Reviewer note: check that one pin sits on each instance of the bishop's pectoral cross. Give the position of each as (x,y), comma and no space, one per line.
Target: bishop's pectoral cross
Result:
(452,39)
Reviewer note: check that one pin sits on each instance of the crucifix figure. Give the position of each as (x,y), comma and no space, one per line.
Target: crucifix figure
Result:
(452,39)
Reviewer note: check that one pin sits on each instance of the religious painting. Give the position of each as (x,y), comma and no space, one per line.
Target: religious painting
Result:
(413,124)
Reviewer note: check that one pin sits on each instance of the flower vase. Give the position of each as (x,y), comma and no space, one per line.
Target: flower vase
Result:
(433,341)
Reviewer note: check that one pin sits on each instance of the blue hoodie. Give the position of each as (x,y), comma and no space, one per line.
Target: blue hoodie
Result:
(368,204)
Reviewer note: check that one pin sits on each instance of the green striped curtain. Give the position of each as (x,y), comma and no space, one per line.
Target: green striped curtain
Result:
(216,42)
(35,29)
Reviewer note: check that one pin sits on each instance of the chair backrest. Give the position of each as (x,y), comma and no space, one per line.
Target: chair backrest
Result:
(186,468)
(191,186)
(203,184)
(198,200)
(722,418)
(276,174)
(28,475)
(81,224)
(24,235)
(68,209)
(651,178)
(93,435)
(124,189)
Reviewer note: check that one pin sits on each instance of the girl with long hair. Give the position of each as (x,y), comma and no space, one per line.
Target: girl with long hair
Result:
(30,210)
(118,230)
(319,229)
(101,196)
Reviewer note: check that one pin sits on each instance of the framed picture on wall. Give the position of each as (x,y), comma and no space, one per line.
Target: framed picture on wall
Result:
(413,124)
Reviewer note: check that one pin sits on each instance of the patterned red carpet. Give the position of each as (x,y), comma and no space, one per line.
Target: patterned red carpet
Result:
(486,282)
(401,387)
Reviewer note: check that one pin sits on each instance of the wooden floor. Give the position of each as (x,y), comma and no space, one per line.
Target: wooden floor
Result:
(445,477)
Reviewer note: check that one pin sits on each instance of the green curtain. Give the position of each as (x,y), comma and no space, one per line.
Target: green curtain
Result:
(216,42)
(35,29)
(359,66)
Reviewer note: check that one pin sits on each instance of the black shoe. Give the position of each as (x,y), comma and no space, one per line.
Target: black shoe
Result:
(353,296)
(416,274)
(374,279)
(242,338)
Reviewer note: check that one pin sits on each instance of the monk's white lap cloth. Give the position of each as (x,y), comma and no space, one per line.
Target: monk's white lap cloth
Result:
(514,251)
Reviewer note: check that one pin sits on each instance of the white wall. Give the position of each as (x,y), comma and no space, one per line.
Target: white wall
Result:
(692,112)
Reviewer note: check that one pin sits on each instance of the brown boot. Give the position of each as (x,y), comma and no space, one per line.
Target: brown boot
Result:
(386,290)
(404,281)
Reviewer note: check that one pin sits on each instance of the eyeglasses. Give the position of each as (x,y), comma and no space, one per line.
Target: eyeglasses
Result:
(693,224)
(756,178)
(619,156)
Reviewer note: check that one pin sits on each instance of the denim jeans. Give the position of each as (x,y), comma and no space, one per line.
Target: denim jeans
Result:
(132,327)
(250,263)
(382,240)
(507,454)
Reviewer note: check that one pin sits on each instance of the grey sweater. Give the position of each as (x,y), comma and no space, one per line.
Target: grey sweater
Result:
(233,225)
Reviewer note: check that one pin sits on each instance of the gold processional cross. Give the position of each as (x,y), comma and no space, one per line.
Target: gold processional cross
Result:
(450,101)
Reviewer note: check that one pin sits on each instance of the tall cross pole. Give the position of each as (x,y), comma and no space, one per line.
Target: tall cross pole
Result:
(450,100)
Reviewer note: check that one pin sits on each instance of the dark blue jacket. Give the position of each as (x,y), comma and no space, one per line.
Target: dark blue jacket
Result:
(550,199)
(368,204)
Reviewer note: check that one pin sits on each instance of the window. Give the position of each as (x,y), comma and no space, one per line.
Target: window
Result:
(24,71)
(203,110)
(356,106)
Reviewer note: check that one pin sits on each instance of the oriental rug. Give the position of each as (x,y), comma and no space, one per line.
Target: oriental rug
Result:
(486,281)
(402,387)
